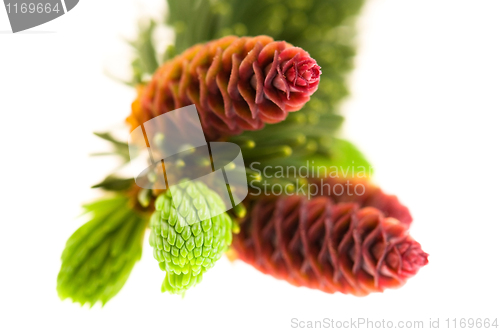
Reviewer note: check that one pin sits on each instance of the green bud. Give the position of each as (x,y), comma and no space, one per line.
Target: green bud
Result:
(191,237)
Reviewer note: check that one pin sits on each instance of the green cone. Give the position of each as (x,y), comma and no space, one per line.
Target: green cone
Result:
(186,244)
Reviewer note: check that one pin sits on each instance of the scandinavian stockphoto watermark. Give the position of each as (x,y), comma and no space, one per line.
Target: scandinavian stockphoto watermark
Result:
(170,151)
(309,179)
(26,14)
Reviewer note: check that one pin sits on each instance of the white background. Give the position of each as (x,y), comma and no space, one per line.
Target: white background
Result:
(424,108)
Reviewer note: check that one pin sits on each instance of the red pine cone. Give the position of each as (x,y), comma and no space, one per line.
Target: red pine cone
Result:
(368,194)
(236,84)
(334,247)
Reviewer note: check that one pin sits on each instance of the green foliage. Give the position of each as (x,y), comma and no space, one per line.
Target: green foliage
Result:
(194,21)
(114,183)
(145,62)
(120,149)
(345,154)
(302,136)
(341,154)
(186,241)
(100,255)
